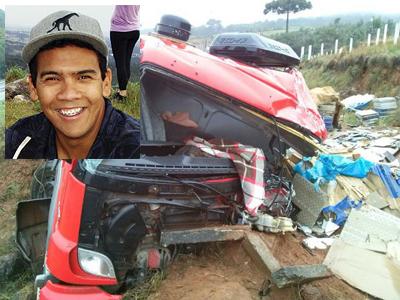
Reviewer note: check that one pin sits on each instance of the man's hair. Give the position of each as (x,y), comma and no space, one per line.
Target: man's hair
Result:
(64,43)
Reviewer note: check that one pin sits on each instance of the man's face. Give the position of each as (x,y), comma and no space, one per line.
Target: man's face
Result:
(70,90)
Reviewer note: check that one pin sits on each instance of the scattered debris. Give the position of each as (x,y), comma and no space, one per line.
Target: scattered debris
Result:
(365,142)
(309,201)
(367,117)
(268,223)
(371,228)
(369,271)
(357,101)
(385,106)
(376,200)
(393,252)
(317,243)
(297,274)
(367,235)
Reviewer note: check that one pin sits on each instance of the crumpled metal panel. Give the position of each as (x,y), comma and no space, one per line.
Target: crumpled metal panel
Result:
(308,200)
(281,94)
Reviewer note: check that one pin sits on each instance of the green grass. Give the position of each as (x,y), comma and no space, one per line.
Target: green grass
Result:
(145,289)
(11,191)
(350,119)
(391,120)
(19,110)
(6,247)
(132,104)
(24,280)
(15,73)
(367,69)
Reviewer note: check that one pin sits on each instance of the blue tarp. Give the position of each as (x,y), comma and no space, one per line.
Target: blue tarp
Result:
(341,210)
(328,166)
(391,184)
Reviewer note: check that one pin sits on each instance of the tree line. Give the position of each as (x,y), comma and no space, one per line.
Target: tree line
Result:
(336,30)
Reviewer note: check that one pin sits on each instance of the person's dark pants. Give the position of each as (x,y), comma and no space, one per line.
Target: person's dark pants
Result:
(122,44)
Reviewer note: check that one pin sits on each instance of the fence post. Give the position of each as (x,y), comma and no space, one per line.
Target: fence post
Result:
(369,40)
(378,33)
(351,45)
(385,33)
(336,46)
(309,51)
(302,53)
(396,33)
(322,48)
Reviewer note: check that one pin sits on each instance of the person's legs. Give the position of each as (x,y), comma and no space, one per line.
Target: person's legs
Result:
(119,45)
(131,41)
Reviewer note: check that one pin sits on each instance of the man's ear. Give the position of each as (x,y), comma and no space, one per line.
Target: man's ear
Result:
(32,89)
(107,83)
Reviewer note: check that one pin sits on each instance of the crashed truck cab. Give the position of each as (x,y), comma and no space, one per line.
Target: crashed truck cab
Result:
(97,227)
(243,90)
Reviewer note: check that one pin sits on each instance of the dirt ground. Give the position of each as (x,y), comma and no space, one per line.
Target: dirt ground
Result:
(224,272)
(229,273)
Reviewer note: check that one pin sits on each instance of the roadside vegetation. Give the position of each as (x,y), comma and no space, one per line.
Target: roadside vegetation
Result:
(15,182)
(374,69)
(14,73)
(145,289)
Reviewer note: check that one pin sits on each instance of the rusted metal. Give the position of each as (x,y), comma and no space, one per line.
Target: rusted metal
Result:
(203,235)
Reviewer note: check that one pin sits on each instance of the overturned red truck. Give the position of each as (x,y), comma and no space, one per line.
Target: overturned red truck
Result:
(96,227)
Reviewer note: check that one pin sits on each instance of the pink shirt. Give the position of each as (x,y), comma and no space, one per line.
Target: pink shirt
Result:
(125,18)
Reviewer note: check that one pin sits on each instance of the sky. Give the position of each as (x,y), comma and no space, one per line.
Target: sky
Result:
(196,12)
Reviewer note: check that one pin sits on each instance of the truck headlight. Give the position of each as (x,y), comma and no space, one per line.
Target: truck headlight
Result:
(95,263)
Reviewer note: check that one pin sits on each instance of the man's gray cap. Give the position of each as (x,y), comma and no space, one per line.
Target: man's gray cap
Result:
(65,25)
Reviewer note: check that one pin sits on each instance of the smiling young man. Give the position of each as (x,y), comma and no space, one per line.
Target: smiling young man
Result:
(67,58)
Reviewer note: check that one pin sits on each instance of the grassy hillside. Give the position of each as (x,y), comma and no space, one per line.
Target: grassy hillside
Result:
(373,70)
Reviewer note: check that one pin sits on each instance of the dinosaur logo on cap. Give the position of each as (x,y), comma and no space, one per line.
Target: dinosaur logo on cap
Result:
(62,21)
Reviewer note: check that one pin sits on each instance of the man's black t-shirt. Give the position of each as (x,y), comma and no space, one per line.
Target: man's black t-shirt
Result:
(35,137)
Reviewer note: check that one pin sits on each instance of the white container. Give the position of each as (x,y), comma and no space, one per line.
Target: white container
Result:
(385,105)
(368,116)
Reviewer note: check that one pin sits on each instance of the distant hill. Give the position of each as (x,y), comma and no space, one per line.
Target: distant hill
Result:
(294,24)
(205,31)
(2,57)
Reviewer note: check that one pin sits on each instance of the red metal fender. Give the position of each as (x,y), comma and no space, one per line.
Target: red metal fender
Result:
(281,94)
(62,252)
(52,291)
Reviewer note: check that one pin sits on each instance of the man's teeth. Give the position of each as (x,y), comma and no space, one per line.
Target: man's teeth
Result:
(71,112)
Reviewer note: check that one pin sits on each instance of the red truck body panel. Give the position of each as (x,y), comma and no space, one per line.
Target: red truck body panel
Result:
(282,94)
(62,256)
(52,291)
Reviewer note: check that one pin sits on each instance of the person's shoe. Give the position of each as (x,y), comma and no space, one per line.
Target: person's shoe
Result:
(119,97)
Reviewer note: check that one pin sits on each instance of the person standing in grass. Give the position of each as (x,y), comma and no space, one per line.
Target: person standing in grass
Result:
(124,33)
